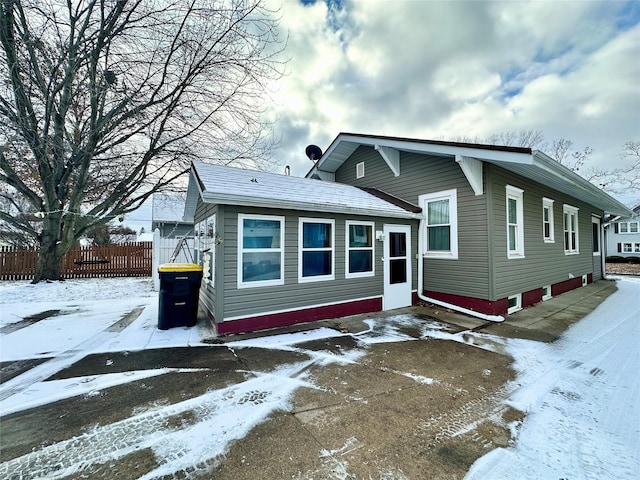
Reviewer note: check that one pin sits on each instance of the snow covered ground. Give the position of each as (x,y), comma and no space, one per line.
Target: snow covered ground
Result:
(581,393)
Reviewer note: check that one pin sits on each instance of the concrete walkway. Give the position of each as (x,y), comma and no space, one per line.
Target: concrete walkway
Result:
(544,321)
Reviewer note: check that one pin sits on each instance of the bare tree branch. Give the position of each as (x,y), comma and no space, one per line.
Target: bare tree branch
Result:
(104,102)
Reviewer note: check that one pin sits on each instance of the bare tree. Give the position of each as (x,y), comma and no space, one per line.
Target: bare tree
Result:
(104,102)
(624,180)
(619,181)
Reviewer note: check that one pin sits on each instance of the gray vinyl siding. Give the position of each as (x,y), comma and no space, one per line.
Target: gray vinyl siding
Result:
(239,302)
(421,174)
(543,263)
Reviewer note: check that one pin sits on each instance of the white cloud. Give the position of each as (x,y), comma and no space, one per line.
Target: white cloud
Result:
(450,69)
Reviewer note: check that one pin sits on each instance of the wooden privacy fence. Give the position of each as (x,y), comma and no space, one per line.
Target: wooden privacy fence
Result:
(121,260)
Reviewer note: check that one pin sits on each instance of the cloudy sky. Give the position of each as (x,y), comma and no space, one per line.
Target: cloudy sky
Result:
(445,70)
(452,69)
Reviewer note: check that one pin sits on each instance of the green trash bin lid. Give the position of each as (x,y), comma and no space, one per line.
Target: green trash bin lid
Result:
(179,267)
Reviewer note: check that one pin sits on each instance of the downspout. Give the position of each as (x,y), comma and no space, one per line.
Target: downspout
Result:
(421,296)
(605,242)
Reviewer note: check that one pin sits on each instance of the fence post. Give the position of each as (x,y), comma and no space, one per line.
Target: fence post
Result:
(156,260)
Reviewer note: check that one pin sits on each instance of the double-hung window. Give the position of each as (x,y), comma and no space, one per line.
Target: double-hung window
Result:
(360,249)
(515,222)
(571,233)
(316,242)
(547,220)
(260,250)
(441,224)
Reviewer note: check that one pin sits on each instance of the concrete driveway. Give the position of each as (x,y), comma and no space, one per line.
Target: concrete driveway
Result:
(395,404)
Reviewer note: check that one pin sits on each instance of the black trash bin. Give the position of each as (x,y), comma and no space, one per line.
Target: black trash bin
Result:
(179,293)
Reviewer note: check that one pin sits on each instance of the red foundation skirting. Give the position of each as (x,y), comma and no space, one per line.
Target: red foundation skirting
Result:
(500,307)
(497,307)
(562,287)
(283,319)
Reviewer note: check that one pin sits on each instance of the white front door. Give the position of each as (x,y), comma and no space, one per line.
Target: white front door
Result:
(397,267)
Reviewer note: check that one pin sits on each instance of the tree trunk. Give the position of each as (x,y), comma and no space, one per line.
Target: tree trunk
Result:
(49,264)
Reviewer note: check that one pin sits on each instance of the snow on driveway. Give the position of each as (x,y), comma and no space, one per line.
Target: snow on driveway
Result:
(582,399)
(580,393)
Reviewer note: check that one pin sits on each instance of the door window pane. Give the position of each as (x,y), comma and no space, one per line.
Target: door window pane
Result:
(398,271)
(397,244)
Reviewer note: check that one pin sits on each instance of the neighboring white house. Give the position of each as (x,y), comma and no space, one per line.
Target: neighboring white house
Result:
(167,215)
(623,236)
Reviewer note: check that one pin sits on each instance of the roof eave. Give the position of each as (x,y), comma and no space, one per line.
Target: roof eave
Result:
(225,199)
(601,199)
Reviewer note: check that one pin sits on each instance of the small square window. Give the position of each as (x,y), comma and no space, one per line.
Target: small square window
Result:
(546,292)
(515,303)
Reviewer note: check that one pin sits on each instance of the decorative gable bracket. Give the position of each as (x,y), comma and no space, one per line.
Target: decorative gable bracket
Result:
(472,169)
(392,158)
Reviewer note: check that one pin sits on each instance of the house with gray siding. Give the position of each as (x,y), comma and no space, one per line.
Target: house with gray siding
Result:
(381,223)
(167,211)
(623,235)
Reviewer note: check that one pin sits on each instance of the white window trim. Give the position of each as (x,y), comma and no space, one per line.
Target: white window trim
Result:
(628,227)
(452,196)
(548,203)
(360,170)
(517,306)
(316,278)
(516,194)
(260,283)
(347,249)
(624,246)
(595,220)
(636,247)
(548,295)
(571,210)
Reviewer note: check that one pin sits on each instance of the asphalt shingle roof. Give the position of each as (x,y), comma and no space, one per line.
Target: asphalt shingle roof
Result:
(235,186)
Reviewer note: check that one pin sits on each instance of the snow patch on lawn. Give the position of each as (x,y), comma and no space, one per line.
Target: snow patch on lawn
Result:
(581,393)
